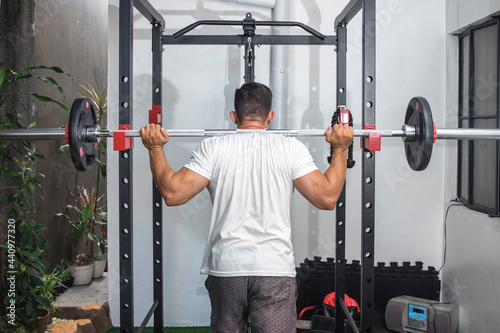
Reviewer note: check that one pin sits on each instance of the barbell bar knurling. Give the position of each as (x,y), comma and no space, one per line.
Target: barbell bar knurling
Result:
(441,133)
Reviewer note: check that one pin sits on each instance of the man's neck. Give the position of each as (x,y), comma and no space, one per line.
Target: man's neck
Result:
(252,125)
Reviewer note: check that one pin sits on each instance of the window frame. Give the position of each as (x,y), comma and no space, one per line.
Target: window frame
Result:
(470,118)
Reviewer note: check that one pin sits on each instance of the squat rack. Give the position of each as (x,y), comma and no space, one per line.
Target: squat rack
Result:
(248,39)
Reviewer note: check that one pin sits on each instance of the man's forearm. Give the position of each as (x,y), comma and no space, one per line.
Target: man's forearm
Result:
(162,172)
(336,172)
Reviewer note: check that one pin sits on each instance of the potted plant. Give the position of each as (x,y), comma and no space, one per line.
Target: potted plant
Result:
(99,265)
(100,232)
(54,283)
(83,216)
(21,245)
(64,272)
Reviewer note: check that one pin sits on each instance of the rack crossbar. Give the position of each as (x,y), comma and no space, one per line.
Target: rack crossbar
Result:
(241,40)
(149,12)
(352,8)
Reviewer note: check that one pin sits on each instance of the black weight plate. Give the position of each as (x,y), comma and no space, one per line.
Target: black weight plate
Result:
(83,152)
(418,152)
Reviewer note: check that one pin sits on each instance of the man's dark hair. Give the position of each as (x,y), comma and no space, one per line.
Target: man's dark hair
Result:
(253,101)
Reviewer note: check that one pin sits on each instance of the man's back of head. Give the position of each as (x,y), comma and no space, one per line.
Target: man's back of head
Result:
(252,102)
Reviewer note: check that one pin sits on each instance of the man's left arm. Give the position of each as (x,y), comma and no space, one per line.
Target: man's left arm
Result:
(176,188)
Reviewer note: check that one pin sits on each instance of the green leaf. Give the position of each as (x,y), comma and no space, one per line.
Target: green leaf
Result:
(17,210)
(30,187)
(54,82)
(87,213)
(90,235)
(3,73)
(9,171)
(63,148)
(29,306)
(103,170)
(76,236)
(37,265)
(53,68)
(26,254)
(45,303)
(40,156)
(36,279)
(103,167)
(25,282)
(47,99)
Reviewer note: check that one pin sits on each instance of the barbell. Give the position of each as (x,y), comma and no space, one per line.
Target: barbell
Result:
(418,133)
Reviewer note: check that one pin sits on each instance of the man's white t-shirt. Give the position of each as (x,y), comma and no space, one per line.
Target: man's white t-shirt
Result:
(251,184)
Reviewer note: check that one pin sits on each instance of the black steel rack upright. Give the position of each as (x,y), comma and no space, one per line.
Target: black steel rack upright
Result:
(340,260)
(125,188)
(125,170)
(367,7)
(248,39)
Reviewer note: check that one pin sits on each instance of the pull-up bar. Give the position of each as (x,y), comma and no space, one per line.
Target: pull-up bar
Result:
(249,24)
(252,22)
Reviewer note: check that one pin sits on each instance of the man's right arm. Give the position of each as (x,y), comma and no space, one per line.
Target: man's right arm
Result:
(324,189)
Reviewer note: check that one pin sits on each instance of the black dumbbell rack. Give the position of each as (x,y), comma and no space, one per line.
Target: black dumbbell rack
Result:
(317,278)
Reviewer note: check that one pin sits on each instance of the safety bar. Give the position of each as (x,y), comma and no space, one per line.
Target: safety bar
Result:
(349,317)
(148,316)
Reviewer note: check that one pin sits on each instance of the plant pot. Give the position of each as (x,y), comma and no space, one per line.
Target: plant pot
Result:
(82,274)
(43,320)
(99,266)
(69,282)
(66,284)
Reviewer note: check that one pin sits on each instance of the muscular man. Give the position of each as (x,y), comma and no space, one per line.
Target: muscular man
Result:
(250,177)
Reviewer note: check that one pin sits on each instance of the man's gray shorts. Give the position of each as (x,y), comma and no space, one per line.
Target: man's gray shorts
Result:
(265,303)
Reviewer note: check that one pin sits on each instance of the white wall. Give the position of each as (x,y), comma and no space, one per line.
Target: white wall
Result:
(472,269)
(470,275)
(198,85)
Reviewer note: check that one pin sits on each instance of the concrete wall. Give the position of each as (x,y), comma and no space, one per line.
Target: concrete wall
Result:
(73,36)
(16,32)
(470,275)
(17,39)
(198,85)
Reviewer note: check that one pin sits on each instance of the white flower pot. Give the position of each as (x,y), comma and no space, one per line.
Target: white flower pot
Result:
(82,274)
(99,266)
